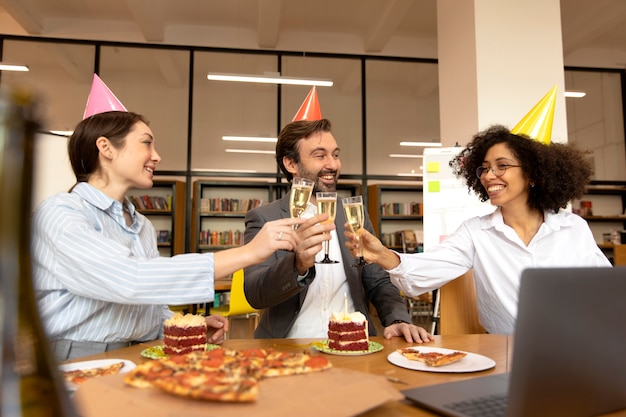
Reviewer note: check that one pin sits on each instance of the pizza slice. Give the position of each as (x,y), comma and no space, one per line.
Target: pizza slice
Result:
(432,358)
(222,374)
(292,363)
(214,386)
(78,376)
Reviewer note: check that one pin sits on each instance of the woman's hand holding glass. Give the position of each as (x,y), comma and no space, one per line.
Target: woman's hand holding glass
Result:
(355,216)
(363,243)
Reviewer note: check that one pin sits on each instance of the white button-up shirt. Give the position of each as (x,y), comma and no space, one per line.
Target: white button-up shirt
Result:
(498,256)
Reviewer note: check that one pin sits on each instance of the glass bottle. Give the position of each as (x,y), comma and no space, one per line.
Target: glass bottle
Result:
(30,382)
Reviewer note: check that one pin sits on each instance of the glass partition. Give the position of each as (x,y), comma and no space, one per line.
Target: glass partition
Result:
(402,104)
(61,73)
(596,121)
(224,108)
(155,83)
(341,103)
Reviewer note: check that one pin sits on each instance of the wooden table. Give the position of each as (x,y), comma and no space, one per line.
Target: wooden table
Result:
(497,347)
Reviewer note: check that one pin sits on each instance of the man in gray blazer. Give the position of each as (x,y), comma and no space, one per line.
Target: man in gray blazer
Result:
(296,295)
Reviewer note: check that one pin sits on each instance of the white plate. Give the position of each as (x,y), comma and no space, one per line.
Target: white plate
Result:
(128,365)
(471,363)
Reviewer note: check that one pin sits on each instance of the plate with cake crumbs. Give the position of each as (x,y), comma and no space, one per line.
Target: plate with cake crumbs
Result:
(156,352)
(322,346)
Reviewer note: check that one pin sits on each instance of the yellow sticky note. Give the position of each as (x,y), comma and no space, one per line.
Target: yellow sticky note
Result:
(434,186)
(432,166)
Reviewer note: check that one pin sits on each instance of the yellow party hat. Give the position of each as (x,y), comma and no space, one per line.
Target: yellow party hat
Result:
(537,123)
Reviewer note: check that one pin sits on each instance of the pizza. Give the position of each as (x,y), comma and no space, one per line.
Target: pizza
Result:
(432,358)
(78,376)
(222,374)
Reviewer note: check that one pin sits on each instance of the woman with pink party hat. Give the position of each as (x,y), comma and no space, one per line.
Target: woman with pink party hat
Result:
(530,182)
(99,280)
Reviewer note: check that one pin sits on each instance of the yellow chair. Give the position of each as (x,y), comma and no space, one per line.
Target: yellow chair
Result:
(238,306)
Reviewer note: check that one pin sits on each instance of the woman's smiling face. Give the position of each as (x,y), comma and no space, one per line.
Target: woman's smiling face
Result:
(512,186)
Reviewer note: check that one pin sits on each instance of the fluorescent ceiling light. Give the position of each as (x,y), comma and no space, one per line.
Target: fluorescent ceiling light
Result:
(249,139)
(62,132)
(249,151)
(575,94)
(403,155)
(268,79)
(425,144)
(243,171)
(12,67)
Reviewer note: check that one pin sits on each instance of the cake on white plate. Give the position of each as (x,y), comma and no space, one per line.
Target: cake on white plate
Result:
(348,331)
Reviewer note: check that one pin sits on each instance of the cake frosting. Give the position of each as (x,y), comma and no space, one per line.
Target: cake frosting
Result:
(348,331)
(184,333)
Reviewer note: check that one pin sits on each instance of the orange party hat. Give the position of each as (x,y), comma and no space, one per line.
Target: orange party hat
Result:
(310,108)
(537,124)
(101,99)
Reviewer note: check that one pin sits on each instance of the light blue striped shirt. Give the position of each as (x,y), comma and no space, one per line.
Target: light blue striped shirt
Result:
(98,280)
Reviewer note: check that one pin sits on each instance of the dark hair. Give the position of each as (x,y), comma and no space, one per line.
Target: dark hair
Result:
(558,172)
(82,149)
(290,136)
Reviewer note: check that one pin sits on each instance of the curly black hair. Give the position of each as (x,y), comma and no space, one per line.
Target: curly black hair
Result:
(558,171)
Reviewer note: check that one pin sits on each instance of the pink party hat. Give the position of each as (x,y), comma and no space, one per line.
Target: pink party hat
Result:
(537,124)
(101,99)
(310,108)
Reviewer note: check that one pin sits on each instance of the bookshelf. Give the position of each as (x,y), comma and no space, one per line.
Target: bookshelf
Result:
(164,205)
(396,211)
(606,214)
(219,209)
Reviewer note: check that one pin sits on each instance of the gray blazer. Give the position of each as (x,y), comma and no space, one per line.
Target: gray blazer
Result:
(273,286)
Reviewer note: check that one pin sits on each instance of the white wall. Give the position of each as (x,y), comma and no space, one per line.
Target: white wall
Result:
(52,169)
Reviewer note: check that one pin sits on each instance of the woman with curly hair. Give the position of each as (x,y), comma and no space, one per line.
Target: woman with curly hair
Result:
(530,184)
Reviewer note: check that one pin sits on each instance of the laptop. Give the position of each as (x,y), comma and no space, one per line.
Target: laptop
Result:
(568,353)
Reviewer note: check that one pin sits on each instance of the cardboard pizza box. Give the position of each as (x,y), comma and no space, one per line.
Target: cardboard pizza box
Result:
(334,392)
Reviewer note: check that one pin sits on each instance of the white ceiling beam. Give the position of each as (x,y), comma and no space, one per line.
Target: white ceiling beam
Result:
(149,17)
(381,31)
(268,24)
(25,14)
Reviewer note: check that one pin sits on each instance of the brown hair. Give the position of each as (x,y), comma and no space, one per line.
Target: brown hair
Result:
(82,149)
(290,136)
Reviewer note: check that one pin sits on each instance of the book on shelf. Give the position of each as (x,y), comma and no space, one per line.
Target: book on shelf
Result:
(221,238)
(228,205)
(155,202)
(402,209)
(408,241)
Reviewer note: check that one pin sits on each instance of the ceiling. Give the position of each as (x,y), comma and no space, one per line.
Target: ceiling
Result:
(392,27)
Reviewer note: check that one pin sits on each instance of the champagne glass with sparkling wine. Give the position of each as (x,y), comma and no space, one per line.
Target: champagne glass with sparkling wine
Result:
(355,216)
(327,203)
(301,189)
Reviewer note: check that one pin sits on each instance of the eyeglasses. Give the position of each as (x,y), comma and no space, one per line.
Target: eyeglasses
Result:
(498,170)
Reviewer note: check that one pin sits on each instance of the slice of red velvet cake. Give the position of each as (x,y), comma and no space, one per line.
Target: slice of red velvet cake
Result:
(184,334)
(348,331)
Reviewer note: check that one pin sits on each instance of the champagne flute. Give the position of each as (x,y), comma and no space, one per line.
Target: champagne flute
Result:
(353,206)
(327,203)
(301,189)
